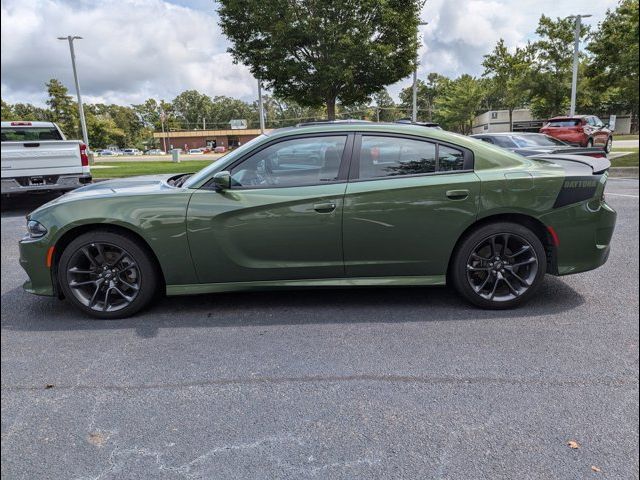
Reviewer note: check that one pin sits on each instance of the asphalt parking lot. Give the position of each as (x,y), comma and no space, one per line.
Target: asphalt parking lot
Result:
(368,383)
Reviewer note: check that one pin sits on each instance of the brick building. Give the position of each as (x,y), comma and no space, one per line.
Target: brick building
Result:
(187,139)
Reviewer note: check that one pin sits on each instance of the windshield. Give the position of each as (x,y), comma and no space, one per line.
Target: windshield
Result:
(207,171)
(535,140)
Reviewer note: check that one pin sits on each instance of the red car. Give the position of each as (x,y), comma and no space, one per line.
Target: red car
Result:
(581,130)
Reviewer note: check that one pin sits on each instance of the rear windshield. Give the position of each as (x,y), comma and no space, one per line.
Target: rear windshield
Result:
(567,122)
(534,140)
(29,134)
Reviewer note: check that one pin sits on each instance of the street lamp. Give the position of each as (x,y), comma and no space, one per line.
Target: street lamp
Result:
(83,124)
(576,51)
(414,112)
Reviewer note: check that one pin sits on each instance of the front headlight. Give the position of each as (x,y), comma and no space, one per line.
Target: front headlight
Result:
(36,229)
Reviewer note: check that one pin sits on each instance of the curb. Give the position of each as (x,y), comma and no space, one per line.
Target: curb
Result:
(630,172)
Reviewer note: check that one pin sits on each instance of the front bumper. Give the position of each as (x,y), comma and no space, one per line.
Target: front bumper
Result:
(33,259)
(49,183)
(584,231)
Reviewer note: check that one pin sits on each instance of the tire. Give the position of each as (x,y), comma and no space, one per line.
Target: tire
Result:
(475,271)
(590,143)
(609,145)
(107,275)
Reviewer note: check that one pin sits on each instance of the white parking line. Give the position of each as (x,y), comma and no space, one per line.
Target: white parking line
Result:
(620,195)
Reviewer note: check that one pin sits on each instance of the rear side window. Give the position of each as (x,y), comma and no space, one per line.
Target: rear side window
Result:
(29,134)
(382,157)
(564,123)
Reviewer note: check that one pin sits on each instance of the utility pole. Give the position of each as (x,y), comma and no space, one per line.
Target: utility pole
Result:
(414,111)
(576,52)
(83,124)
(164,138)
(260,106)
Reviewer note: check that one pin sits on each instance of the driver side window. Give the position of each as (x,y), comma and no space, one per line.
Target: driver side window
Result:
(304,161)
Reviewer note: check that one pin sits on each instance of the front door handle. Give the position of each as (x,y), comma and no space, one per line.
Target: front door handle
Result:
(457,194)
(324,207)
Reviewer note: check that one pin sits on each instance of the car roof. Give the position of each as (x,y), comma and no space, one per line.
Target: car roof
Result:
(569,117)
(504,134)
(19,123)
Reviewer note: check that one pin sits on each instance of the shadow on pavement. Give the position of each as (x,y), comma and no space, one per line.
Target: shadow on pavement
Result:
(292,307)
(20,205)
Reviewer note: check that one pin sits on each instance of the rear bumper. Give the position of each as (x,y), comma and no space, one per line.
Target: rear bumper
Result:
(584,231)
(11,186)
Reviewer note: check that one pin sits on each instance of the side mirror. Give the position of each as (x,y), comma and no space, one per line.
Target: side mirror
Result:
(222,180)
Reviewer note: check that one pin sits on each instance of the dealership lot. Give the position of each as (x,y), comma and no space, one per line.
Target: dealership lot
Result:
(387,383)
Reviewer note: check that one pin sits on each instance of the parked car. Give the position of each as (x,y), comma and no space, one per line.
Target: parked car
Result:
(155,151)
(195,151)
(36,156)
(430,207)
(219,149)
(529,144)
(108,153)
(131,151)
(580,130)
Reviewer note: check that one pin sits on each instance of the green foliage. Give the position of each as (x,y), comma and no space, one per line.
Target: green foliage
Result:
(6,112)
(315,52)
(459,103)
(386,110)
(427,93)
(62,108)
(511,76)
(613,67)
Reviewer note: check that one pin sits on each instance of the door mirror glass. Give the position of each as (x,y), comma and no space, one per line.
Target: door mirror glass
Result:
(222,180)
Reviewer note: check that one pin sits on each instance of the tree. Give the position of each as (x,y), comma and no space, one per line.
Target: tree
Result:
(62,108)
(26,111)
(6,111)
(459,103)
(613,68)
(191,107)
(385,107)
(318,52)
(510,74)
(551,88)
(427,92)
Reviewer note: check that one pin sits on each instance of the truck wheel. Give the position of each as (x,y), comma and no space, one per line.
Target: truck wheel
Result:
(499,265)
(609,145)
(107,275)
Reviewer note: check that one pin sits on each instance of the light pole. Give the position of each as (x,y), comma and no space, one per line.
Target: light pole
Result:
(414,112)
(83,123)
(576,51)
(260,106)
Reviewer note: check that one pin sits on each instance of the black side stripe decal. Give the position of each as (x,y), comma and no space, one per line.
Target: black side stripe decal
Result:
(577,189)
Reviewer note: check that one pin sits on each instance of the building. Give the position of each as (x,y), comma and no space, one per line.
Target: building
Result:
(495,121)
(187,139)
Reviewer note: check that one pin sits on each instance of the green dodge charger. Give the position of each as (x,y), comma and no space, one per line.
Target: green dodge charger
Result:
(327,205)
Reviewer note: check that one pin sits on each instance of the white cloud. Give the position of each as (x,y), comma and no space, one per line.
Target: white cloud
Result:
(136,49)
(131,50)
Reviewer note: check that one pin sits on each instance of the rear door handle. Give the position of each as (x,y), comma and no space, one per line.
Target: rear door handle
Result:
(457,194)
(324,207)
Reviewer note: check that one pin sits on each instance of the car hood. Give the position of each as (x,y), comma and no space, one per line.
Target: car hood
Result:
(109,188)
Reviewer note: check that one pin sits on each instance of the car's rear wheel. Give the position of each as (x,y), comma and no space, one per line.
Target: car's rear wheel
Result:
(107,275)
(609,145)
(499,265)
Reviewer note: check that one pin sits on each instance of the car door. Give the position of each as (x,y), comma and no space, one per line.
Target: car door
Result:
(407,202)
(282,217)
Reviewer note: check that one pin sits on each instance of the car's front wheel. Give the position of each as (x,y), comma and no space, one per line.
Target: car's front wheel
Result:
(107,275)
(499,265)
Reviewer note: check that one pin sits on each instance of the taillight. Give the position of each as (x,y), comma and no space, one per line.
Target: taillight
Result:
(84,158)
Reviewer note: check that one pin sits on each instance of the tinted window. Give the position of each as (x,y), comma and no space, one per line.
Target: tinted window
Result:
(390,157)
(535,140)
(564,123)
(598,122)
(305,161)
(29,134)
(450,159)
(504,142)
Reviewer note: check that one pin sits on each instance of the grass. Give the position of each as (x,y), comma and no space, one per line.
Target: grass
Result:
(630,159)
(130,169)
(624,137)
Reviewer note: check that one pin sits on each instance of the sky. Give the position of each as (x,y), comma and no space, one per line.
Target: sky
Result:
(137,49)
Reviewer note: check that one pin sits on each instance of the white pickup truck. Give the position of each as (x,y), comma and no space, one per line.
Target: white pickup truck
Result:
(35,156)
